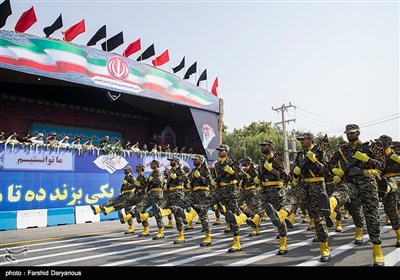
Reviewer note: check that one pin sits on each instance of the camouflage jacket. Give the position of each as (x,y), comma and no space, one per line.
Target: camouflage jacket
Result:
(128,183)
(308,168)
(277,164)
(178,181)
(203,180)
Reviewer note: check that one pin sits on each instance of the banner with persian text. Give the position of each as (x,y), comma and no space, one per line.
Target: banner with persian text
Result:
(42,178)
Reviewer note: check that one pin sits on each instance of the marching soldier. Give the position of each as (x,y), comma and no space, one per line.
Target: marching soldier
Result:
(308,183)
(356,166)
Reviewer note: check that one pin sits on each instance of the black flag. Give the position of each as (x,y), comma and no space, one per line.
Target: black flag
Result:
(113,42)
(180,66)
(149,52)
(100,34)
(191,70)
(5,12)
(55,26)
(202,77)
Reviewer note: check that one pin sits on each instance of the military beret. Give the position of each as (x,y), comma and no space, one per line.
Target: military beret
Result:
(174,159)
(351,128)
(198,157)
(155,161)
(40,135)
(386,137)
(223,147)
(246,159)
(140,165)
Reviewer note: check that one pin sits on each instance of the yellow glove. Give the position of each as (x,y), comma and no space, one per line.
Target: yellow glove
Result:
(361,156)
(229,169)
(376,172)
(124,182)
(268,166)
(396,158)
(151,178)
(296,170)
(336,179)
(257,181)
(172,175)
(338,171)
(248,176)
(295,182)
(311,156)
(188,186)
(137,183)
(213,183)
(197,174)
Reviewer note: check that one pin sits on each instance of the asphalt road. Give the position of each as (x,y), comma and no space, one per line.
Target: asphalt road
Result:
(104,244)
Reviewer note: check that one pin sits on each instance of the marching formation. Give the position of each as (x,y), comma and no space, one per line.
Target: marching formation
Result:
(355,177)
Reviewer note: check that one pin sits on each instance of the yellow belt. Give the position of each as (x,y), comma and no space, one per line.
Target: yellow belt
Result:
(155,189)
(128,191)
(175,188)
(388,175)
(201,188)
(314,179)
(249,188)
(272,183)
(330,183)
(223,184)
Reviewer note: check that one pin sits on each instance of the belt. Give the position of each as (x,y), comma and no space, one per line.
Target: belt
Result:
(388,175)
(249,188)
(223,184)
(205,188)
(313,179)
(272,183)
(128,191)
(330,183)
(175,188)
(156,190)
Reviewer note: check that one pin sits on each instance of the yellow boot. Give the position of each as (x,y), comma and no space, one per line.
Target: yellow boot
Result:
(140,217)
(339,227)
(130,230)
(263,216)
(198,221)
(180,239)
(304,218)
(190,216)
(217,222)
(346,214)
(124,218)
(379,260)
(311,225)
(325,252)
(235,245)
(235,220)
(255,222)
(228,228)
(207,239)
(327,205)
(290,220)
(277,217)
(358,239)
(388,222)
(254,232)
(145,232)
(398,237)
(170,224)
(96,209)
(165,212)
(107,210)
(189,226)
(160,234)
(283,249)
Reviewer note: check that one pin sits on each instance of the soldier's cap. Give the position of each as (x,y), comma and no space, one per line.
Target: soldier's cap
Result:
(53,134)
(395,144)
(155,161)
(197,157)
(351,128)
(40,135)
(66,137)
(128,167)
(174,159)
(223,147)
(246,159)
(386,137)
(140,165)
(268,142)
(305,135)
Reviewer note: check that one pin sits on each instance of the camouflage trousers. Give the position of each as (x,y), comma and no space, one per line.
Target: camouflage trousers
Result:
(308,193)
(171,200)
(153,197)
(123,201)
(199,201)
(364,202)
(330,189)
(253,202)
(391,201)
(275,195)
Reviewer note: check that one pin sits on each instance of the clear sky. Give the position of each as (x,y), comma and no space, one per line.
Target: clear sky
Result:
(337,62)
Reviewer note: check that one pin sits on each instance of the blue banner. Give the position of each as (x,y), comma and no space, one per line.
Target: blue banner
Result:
(28,180)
